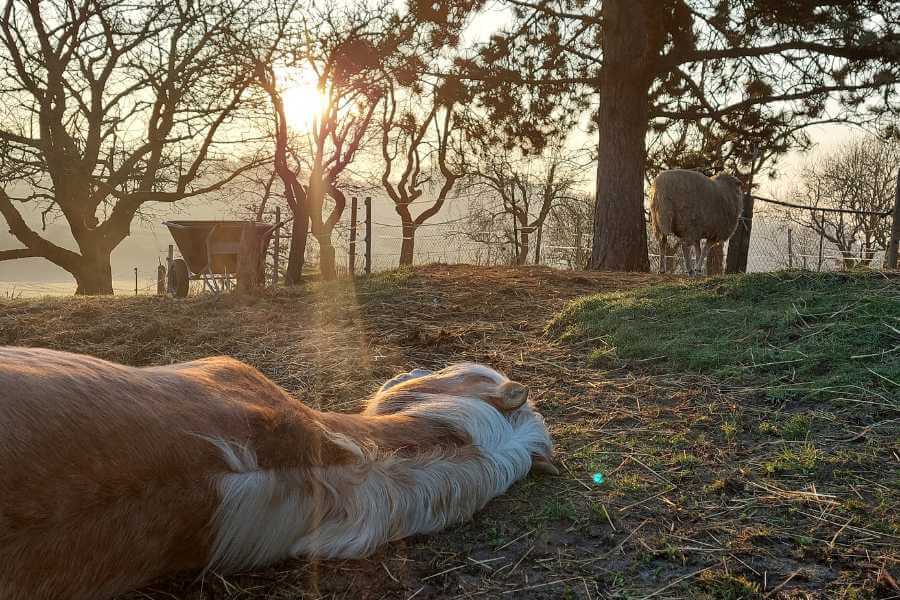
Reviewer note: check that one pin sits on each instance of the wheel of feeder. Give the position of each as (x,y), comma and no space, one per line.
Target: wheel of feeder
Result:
(178,282)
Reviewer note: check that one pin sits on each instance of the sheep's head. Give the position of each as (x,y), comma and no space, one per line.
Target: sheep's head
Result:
(465,380)
(732,188)
(731,182)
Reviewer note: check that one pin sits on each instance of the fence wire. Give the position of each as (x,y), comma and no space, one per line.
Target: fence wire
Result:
(777,242)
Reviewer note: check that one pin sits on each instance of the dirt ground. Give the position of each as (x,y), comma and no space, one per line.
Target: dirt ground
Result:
(701,499)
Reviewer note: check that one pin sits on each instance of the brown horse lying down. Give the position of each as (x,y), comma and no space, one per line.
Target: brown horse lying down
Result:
(113,476)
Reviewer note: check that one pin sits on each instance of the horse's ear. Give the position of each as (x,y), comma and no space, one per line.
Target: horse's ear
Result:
(510,396)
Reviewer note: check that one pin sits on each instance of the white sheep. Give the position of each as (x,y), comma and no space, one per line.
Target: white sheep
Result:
(692,207)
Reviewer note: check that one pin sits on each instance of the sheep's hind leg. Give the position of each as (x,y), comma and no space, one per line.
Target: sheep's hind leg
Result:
(686,254)
(663,242)
(701,268)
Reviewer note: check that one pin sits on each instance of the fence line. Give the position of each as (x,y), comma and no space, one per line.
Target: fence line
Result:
(777,241)
(871,213)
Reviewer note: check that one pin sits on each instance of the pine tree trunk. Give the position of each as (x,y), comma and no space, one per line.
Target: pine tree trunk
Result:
(739,244)
(629,46)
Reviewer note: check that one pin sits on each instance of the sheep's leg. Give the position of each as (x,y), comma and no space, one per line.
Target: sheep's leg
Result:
(702,269)
(686,254)
(663,242)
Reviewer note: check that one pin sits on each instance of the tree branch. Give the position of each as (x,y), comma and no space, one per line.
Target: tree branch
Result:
(17,254)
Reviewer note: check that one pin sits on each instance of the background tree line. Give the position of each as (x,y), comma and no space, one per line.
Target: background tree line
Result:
(111,109)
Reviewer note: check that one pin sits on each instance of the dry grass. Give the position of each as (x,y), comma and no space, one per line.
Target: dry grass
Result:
(710,492)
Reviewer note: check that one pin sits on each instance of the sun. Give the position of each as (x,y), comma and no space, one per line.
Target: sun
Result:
(303,102)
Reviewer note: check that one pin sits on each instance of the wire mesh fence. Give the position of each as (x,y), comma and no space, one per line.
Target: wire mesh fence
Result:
(782,237)
(779,240)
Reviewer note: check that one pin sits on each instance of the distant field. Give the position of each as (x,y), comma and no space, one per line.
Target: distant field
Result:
(25,289)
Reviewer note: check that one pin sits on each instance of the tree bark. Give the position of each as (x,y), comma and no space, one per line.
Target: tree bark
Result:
(95,279)
(630,45)
(93,274)
(323,229)
(890,257)
(407,246)
(739,245)
(327,269)
(524,245)
(248,273)
(297,254)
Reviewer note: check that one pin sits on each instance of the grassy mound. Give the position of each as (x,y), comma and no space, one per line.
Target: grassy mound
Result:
(788,332)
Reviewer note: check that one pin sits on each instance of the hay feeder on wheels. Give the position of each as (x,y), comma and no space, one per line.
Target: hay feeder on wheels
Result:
(210,252)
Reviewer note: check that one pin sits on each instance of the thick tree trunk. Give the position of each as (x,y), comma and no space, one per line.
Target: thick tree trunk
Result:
(327,269)
(739,244)
(890,257)
(524,245)
(407,246)
(630,43)
(94,274)
(297,254)
(248,273)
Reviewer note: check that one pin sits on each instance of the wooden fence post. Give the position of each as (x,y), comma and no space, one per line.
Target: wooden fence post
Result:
(537,245)
(248,260)
(161,280)
(890,258)
(135,282)
(352,249)
(170,258)
(739,244)
(368,235)
(277,247)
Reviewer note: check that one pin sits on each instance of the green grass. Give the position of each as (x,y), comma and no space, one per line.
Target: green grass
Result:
(789,331)
(385,283)
(796,428)
(722,586)
(804,459)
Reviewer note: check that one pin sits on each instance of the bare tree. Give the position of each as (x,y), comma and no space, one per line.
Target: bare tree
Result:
(521,190)
(287,171)
(567,231)
(350,55)
(420,143)
(109,107)
(343,51)
(860,175)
